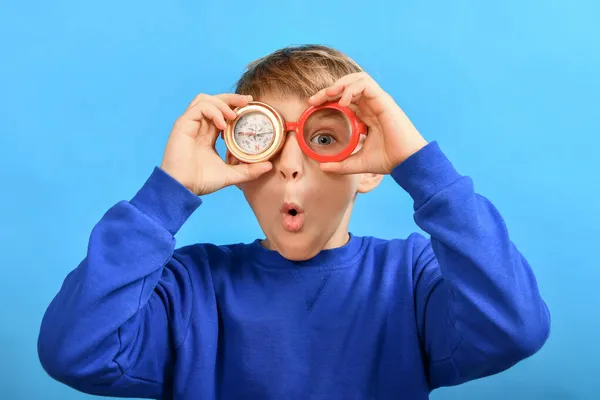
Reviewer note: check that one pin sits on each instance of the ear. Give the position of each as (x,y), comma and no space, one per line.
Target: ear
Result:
(369,182)
(231,160)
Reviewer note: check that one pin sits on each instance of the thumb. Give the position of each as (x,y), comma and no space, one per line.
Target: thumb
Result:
(247,172)
(351,165)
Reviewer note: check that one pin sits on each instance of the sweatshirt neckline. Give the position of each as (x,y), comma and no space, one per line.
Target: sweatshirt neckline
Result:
(330,258)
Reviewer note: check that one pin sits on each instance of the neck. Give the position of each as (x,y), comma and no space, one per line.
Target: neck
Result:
(341,235)
(339,239)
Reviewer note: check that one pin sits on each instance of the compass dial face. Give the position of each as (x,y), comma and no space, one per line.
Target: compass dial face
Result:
(253,133)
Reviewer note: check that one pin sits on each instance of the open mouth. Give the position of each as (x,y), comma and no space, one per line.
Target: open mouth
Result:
(292,209)
(293,217)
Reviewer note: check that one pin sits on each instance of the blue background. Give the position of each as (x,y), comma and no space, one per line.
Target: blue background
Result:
(89,92)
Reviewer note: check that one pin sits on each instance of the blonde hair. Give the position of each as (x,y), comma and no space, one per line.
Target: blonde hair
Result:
(299,71)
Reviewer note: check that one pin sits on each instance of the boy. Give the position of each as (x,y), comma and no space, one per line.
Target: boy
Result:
(311,311)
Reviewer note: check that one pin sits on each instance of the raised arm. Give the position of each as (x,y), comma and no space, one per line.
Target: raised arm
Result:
(478,306)
(479,310)
(119,317)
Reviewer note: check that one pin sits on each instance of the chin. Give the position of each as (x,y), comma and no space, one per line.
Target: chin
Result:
(297,247)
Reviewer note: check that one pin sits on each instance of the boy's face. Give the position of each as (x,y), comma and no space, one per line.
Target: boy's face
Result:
(300,208)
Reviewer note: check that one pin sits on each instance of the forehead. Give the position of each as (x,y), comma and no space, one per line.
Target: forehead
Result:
(290,107)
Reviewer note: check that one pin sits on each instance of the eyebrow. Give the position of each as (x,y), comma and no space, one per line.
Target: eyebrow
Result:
(328,113)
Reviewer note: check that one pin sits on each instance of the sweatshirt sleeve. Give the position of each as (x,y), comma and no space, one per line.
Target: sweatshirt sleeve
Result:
(118,318)
(478,306)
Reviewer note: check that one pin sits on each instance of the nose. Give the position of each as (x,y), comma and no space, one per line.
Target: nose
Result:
(290,163)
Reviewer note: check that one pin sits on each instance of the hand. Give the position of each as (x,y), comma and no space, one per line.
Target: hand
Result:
(190,156)
(392,137)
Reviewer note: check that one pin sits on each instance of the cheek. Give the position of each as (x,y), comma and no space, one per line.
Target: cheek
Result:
(333,193)
(258,190)
(326,195)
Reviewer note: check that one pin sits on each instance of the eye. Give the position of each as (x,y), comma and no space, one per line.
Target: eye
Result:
(323,139)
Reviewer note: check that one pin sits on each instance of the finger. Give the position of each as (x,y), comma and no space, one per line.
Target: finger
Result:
(232,99)
(225,102)
(353,92)
(346,97)
(348,79)
(352,165)
(347,94)
(247,172)
(224,107)
(343,83)
(333,91)
(208,134)
(197,99)
(206,110)
(326,94)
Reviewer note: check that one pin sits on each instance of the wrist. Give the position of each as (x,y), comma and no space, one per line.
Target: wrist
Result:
(173,172)
(425,173)
(166,200)
(412,147)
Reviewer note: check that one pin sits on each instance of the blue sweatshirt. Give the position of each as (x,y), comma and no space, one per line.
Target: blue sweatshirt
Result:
(374,319)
